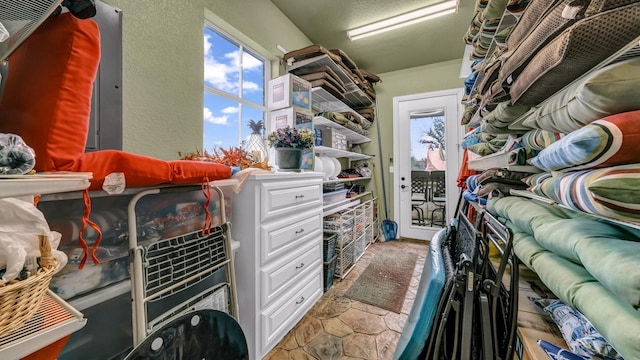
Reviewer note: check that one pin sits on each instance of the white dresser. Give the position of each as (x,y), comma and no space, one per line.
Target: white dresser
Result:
(277,218)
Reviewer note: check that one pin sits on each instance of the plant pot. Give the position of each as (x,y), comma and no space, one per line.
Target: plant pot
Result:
(288,158)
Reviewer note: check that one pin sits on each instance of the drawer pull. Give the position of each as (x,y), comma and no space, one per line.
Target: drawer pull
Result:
(300,301)
(299,196)
(300,266)
(299,231)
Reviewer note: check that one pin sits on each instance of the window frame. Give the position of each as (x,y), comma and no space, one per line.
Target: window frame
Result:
(242,48)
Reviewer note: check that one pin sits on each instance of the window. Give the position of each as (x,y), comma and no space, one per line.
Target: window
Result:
(234,89)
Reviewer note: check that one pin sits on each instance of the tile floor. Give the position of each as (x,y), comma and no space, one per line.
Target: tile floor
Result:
(340,328)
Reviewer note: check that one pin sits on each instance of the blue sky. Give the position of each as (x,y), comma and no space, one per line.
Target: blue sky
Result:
(420,126)
(221,71)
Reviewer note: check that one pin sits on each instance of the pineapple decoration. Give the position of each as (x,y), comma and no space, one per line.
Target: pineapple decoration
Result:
(256,146)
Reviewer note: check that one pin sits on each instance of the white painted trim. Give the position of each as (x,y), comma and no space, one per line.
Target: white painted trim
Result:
(452,168)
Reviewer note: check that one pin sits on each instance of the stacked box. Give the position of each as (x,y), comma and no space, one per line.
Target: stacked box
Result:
(334,139)
(287,91)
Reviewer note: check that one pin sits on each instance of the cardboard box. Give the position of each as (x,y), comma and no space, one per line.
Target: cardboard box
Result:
(334,139)
(287,91)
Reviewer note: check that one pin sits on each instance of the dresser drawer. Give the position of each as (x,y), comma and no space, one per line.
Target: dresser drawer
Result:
(285,273)
(281,198)
(278,320)
(283,237)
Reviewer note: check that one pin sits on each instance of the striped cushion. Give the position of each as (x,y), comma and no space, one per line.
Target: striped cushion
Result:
(614,140)
(613,192)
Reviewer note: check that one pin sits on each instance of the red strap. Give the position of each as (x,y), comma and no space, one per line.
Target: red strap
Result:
(208,220)
(83,242)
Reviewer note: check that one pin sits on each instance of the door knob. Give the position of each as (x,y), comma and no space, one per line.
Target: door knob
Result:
(403,186)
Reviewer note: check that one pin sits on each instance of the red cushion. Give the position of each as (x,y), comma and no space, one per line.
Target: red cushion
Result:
(47,96)
(138,170)
(193,172)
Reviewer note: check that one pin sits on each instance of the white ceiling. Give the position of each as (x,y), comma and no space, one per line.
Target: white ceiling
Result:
(326,22)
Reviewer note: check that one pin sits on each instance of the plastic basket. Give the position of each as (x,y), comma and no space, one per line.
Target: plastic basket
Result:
(329,272)
(329,246)
(20,299)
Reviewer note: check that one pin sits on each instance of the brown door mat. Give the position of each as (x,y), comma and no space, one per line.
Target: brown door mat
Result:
(310,52)
(325,76)
(327,86)
(315,69)
(373,78)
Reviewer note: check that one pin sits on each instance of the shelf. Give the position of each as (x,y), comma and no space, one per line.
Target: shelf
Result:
(352,136)
(331,152)
(322,100)
(339,206)
(627,52)
(54,320)
(341,180)
(355,97)
(43,183)
(530,195)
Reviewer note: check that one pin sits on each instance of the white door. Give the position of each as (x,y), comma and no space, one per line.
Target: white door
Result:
(427,136)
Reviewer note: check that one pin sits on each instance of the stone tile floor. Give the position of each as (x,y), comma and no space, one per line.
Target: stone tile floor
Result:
(340,328)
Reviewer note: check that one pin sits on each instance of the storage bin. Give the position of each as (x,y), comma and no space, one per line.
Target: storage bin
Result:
(334,139)
(329,245)
(329,272)
(289,90)
(293,117)
(346,259)
(329,198)
(159,217)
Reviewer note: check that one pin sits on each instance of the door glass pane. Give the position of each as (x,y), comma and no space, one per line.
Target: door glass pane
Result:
(428,168)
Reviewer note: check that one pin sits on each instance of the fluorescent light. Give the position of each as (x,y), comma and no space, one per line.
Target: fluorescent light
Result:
(410,18)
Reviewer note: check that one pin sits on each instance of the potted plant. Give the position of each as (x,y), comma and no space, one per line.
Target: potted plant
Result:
(289,144)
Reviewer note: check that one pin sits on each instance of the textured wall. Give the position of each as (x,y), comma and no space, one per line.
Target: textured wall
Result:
(163,67)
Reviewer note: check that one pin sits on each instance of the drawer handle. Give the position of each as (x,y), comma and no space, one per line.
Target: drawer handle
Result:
(299,196)
(299,231)
(300,301)
(300,266)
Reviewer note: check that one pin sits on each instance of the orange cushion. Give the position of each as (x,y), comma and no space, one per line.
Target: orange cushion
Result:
(47,96)
(138,170)
(193,172)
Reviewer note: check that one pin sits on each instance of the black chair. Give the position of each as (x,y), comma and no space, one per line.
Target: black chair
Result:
(419,194)
(437,196)
(201,334)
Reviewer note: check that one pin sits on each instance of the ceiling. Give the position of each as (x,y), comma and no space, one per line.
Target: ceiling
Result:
(326,22)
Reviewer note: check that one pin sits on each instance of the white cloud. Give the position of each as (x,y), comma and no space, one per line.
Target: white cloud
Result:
(231,110)
(224,75)
(249,86)
(218,120)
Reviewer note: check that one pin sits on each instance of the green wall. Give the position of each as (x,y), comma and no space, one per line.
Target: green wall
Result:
(434,77)
(162,45)
(163,69)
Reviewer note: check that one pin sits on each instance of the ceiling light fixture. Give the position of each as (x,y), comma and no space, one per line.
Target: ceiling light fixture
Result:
(410,18)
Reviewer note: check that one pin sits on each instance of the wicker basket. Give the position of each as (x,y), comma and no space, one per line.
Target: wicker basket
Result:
(20,299)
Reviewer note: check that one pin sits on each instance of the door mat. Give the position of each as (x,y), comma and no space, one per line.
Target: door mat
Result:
(385,281)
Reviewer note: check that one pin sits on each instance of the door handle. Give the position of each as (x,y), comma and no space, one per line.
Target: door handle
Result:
(403,187)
